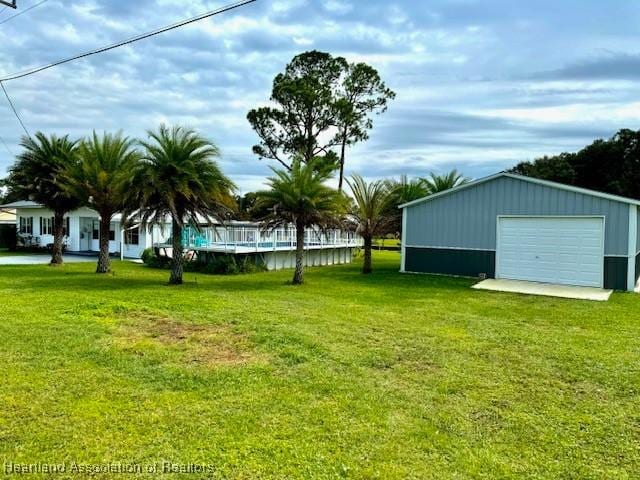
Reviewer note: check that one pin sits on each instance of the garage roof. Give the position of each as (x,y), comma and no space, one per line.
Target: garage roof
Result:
(560,186)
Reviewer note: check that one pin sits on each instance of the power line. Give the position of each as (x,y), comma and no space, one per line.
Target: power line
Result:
(6,94)
(137,38)
(23,11)
(7,147)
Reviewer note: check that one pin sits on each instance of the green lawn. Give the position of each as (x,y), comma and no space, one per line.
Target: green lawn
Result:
(4,252)
(386,376)
(386,242)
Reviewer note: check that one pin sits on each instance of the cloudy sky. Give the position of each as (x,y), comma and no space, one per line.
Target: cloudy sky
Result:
(480,84)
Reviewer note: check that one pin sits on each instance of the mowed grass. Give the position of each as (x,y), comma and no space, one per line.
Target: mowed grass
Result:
(5,252)
(387,376)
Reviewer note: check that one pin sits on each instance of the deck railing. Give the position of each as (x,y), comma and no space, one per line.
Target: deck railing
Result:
(252,237)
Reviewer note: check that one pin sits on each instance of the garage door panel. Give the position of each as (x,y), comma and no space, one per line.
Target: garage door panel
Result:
(567,250)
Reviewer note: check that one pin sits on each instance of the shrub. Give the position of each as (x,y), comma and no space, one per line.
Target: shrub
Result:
(249,265)
(219,265)
(152,260)
(147,254)
(224,264)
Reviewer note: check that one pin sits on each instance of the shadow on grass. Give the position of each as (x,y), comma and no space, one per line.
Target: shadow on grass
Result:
(392,278)
(84,281)
(386,281)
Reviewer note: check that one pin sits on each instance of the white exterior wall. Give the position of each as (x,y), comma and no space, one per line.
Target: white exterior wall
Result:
(74,240)
(312,258)
(80,238)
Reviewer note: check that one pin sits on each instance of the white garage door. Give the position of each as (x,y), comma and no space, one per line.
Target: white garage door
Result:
(565,250)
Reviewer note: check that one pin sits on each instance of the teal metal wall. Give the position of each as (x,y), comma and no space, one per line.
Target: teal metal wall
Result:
(467,263)
(615,272)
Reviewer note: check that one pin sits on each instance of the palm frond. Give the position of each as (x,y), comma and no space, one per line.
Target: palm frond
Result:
(178,176)
(440,183)
(38,172)
(370,210)
(300,196)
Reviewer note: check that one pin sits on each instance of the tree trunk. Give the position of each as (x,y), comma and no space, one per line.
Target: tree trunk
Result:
(104,262)
(58,237)
(177,259)
(366,266)
(344,145)
(299,273)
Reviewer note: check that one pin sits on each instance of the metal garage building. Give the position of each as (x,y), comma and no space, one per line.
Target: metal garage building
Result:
(522,228)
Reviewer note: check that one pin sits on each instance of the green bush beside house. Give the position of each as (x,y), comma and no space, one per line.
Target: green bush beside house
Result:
(216,265)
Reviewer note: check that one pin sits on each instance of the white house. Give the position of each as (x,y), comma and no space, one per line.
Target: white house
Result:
(82,229)
(274,249)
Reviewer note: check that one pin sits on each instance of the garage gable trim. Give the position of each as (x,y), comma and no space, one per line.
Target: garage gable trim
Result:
(547,183)
(633,240)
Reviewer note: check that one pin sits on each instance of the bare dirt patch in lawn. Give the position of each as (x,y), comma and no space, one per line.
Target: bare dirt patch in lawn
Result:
(166,339)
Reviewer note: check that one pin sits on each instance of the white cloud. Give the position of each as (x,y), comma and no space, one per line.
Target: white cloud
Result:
(480,84)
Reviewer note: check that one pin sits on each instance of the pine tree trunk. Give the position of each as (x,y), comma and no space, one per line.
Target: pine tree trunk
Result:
(104,261)
(177,259)
(299,273)
(58,238)
(366,266)
(340,181)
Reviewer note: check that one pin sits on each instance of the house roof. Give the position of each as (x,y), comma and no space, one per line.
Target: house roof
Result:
(22,204)
(117,217)
(547,183)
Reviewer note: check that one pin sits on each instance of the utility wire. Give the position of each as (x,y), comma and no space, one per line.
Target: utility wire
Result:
(23,11)
(7,147)
(136,38)
(6,94)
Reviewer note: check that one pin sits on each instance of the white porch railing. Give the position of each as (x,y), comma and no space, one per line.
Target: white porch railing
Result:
(233,238)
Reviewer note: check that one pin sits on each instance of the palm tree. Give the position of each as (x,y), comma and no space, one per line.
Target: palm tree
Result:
(37,175)
(178,177)
(370,212)
(440,183)
(300,197)
(402,191)
(101,179)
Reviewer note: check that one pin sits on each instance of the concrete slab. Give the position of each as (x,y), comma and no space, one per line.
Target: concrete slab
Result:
(546,289)
(36,259)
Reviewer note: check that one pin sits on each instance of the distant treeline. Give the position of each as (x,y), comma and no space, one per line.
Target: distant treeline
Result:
(611,166)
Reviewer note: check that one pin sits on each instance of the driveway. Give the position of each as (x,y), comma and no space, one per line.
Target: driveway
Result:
(546,289)
(36,259)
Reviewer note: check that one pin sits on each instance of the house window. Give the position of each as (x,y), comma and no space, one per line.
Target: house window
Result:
(132,237)
(96,232)
(46,225)
(26,225)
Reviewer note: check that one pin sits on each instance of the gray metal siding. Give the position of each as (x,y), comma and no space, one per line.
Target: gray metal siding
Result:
(467,219)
